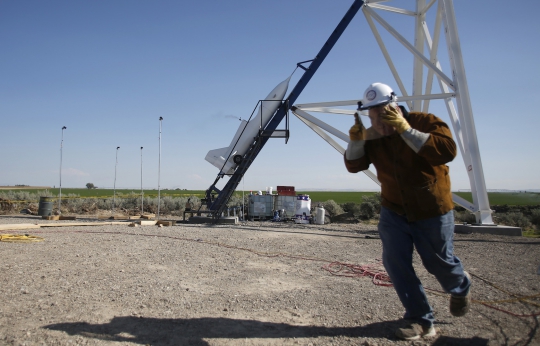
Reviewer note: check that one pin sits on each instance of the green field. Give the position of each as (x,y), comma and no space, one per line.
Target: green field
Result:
(495,198)
(338,196)
(509,198)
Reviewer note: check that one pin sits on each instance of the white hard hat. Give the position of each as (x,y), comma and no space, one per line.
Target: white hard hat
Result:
(377,94)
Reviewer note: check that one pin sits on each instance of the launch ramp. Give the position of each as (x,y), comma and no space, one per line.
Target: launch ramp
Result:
(215,199)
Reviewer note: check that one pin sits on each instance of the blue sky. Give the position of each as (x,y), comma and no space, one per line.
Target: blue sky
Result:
(107,70)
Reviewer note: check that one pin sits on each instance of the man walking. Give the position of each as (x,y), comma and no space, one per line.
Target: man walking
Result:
(410,153)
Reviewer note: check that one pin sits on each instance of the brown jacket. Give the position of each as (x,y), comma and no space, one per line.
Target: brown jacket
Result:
(413,184)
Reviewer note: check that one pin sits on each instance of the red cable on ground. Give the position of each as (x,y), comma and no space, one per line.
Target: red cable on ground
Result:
(378,275)
(509,312)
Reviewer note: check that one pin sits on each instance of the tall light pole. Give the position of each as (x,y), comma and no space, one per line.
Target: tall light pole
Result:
(159,168)
(114,187)
(61,147)
(142,191)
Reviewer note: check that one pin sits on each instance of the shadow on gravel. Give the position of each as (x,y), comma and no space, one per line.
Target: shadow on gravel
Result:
(157,331)
(448,340)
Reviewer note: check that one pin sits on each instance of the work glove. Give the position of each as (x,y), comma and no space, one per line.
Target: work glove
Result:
(394,118)
(357,131)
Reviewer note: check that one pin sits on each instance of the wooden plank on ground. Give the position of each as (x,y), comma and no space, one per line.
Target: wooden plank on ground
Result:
(148,216)
(166,223)
(7,227)
(67,217)
(51,217)
(68,224)
(147,222)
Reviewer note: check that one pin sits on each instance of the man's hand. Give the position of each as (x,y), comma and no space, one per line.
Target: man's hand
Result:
(357,131)
(394,118)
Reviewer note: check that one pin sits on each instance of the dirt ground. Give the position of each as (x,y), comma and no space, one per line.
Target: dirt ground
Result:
(258,283)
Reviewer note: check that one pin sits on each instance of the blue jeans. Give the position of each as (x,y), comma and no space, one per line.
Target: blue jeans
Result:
(433,239)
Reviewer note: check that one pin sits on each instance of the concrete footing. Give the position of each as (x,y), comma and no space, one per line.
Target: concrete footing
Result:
(488,229)
(205,219)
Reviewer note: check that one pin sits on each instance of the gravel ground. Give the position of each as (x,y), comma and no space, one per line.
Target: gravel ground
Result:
(258,283)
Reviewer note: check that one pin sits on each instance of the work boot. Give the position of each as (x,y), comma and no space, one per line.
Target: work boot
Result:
(460,305)
(415,331)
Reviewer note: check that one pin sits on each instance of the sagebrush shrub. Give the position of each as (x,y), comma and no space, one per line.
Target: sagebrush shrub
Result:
(130,203)
(236,201)
(349,207)
(535,218)
(353,208)
(332,208)
(368,210)
(513,219)
(464,216)
(370,206)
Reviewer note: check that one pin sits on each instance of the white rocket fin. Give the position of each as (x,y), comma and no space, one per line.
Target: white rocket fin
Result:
(217,156)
